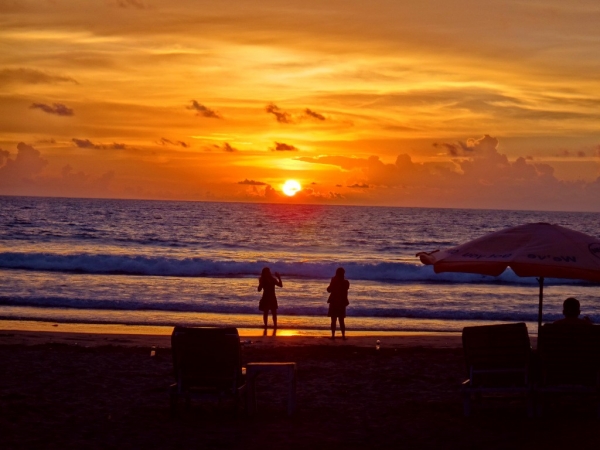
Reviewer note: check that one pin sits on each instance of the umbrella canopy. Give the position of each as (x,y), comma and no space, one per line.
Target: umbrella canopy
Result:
(531,250)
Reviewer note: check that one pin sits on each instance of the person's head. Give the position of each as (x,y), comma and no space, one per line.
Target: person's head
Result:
(266,272)
(571,308)
(340,272)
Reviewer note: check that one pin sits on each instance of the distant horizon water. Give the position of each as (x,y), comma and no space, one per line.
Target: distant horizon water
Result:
(290,202)
(153,262)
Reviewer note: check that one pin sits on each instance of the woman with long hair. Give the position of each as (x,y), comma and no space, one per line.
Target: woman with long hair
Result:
(268,302)
(338,300)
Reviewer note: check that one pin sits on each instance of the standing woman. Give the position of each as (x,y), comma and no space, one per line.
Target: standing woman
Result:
(338,300)
(267,283)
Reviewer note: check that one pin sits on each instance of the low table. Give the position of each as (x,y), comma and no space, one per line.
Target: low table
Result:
(253,370)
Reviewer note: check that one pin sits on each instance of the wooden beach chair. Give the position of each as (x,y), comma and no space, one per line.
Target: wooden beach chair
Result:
(206,363)
(569,363)
(498,363)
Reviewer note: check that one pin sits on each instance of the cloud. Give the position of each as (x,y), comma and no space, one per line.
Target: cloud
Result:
(252,182)
(32,76)
(313,114)
(203,110)
(86,143)
(281,147)
(25,175)
(458,148)
(271,194)
(280,115)
(228,148)
(165,141)
(71,181)
(57,108)
(285,117)
(4,156)
(50,141)
(25,165)
(482,178)
(571,154)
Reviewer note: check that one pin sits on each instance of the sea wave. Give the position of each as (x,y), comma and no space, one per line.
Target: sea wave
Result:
(290,310)
(114,264)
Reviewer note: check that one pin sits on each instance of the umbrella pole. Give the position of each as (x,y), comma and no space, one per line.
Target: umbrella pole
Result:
(541,283)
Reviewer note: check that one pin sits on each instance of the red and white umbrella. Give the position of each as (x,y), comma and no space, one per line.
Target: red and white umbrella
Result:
(539,250)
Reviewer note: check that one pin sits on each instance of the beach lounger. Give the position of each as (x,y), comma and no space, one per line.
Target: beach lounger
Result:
(569,363)
(207,363)
(498,362)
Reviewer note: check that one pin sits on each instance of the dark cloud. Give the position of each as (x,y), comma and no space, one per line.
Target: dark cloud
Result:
(280,115)
(359,186)
(281,147)
(203,110)
(313,114)
(252,182)
(86,143)
(165,141)
(285,117)
(455,149)
(32,76)
(57,109)
(338,185)
(226,147)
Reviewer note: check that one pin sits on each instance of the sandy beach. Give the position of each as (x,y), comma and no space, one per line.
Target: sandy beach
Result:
(67,388)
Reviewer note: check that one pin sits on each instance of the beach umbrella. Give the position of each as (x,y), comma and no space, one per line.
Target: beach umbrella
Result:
(540,250)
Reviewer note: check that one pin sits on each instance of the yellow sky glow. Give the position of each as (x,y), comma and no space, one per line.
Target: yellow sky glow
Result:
(433,103)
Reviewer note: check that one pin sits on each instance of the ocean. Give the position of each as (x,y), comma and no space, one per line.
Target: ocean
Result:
(196,263)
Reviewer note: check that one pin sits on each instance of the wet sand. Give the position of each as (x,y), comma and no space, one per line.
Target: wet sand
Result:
(71,389)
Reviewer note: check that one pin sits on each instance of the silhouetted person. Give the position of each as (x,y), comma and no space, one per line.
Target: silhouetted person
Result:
(268,302)
(571,311)
(338,300)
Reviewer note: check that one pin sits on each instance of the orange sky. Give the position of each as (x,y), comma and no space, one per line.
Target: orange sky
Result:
(433,103)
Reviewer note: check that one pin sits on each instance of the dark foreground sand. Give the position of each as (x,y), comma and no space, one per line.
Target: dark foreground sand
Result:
(78,391)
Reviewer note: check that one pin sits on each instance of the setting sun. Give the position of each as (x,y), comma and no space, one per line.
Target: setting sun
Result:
(291,187)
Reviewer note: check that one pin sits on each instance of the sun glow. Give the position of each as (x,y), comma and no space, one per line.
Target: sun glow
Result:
(291,188)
